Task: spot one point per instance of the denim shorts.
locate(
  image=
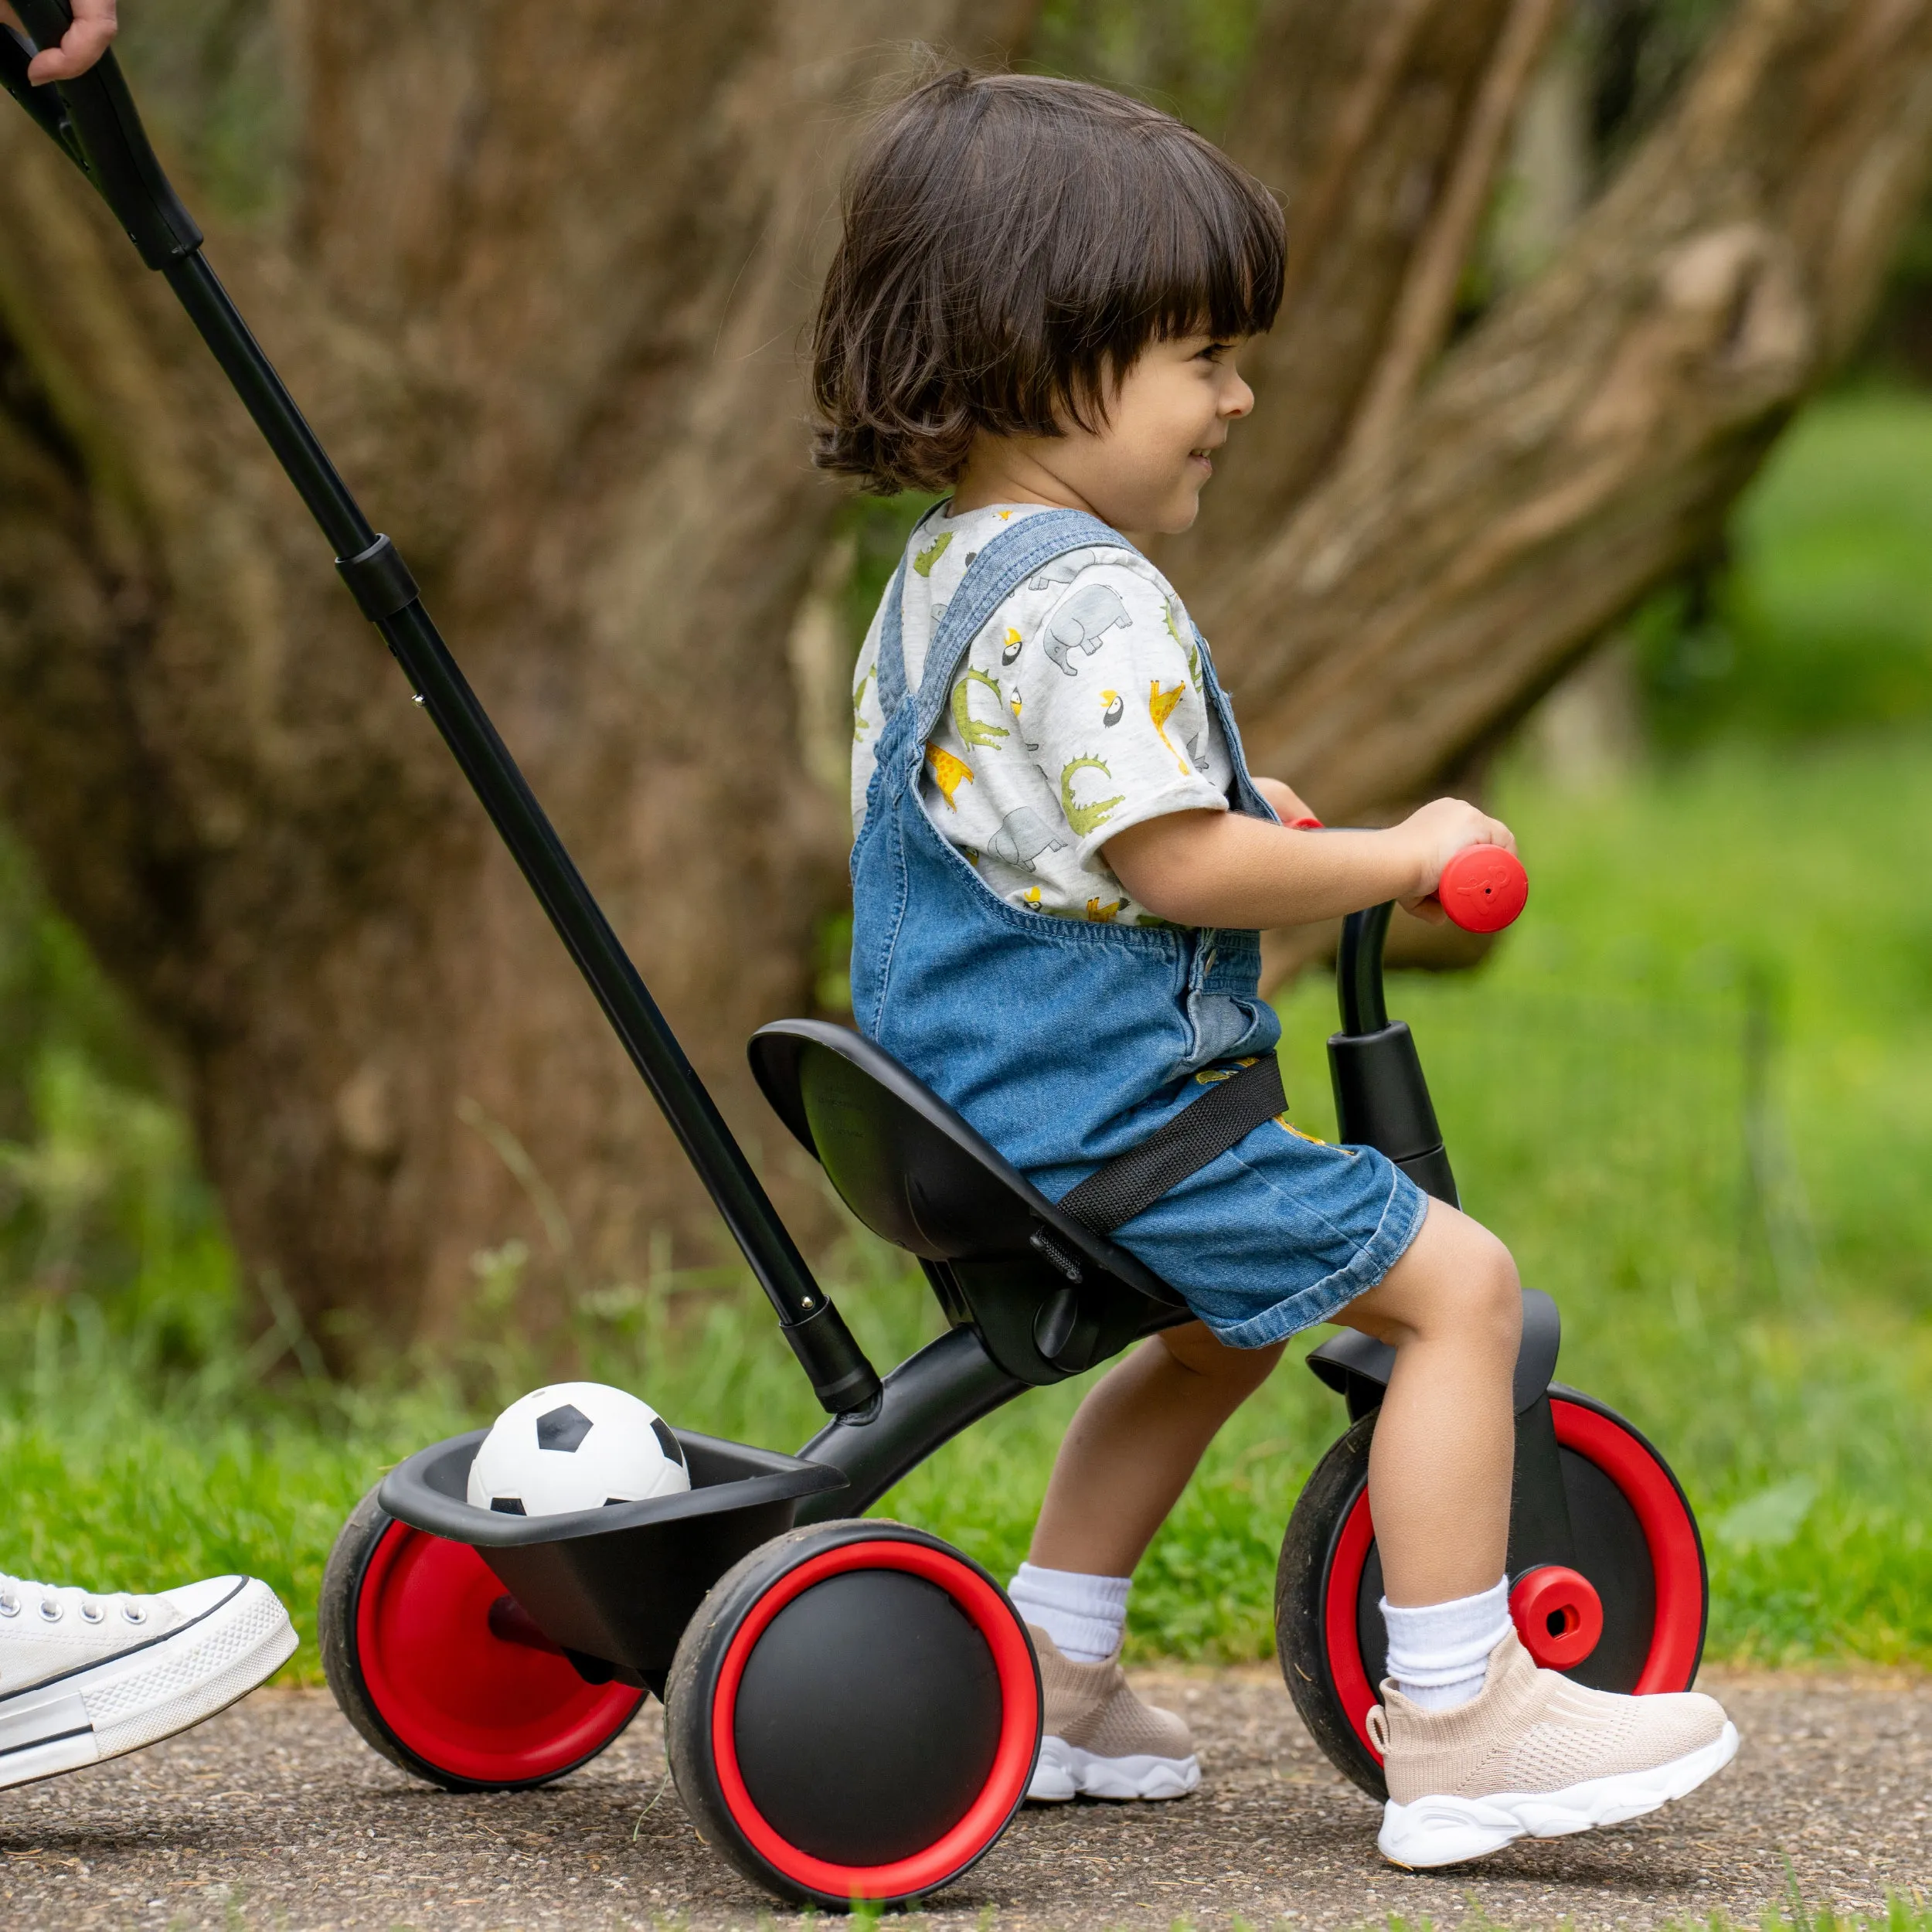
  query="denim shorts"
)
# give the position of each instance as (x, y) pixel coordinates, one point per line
(1278, 1234)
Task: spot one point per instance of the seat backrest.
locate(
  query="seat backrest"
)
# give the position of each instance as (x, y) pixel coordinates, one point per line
(909, 1166)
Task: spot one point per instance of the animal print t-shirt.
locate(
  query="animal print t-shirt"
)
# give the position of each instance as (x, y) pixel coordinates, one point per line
(1076, 711)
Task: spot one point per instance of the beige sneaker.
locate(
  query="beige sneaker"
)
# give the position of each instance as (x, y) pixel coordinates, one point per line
(1536, 1756)
(1101, 1740)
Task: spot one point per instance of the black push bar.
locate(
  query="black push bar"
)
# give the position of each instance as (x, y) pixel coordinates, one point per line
(93, 122)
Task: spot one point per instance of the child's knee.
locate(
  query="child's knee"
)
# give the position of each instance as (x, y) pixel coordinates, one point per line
(1458, 1284)
(1480, 1295)
(1193, 1346)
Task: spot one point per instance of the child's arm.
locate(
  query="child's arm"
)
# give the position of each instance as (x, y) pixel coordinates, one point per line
(1221, 868)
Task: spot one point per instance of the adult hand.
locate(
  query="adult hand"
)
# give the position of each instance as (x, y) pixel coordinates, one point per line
(83, 44)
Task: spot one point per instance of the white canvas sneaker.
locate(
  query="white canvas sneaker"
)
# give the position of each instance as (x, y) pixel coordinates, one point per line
(85, 1677)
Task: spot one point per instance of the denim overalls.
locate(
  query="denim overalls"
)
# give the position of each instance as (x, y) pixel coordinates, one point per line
(1066, 1043)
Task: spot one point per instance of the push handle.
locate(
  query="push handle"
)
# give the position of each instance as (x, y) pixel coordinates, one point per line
(96, 123)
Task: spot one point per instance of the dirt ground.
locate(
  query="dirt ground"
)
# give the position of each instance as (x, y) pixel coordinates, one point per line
(276, 1815)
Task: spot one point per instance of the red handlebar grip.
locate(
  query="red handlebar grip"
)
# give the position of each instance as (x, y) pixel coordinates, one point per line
(1483, 888)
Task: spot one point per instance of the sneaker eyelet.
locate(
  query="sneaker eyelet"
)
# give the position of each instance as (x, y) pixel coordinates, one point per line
(51, 1611)
(94, 1613)
(134, 1614)
(9, 1606)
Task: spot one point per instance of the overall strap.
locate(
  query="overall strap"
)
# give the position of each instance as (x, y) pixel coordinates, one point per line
(1017, 553)
(890, 664)
(1020, 551)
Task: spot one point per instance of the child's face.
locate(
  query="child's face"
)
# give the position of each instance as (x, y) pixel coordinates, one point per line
(1143, 470)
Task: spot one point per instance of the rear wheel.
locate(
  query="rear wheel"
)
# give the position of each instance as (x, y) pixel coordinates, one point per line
(434, 1663)
(1629, 1617)
(853, 1713)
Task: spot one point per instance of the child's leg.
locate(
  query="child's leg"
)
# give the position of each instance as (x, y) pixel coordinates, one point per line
(1127, 1456)
(1439, 1470)
(1134, 1443)
(1479, 1745)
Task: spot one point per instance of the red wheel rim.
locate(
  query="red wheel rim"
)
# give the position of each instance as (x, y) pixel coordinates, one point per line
(1339, 1632)
(452, 1693)
(1677, 1568)
(1677, 1564)
(1012, 1758)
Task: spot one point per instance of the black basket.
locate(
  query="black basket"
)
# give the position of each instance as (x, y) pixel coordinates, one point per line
(620, 1583)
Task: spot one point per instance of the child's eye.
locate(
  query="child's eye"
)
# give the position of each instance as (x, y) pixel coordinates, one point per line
(1215, 353)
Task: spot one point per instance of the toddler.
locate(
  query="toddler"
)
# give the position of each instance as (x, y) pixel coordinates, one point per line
(1061, 863)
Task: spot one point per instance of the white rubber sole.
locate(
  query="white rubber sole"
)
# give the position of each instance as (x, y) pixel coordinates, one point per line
(1065, 1771)
(1431, 1832)
(103, 1710)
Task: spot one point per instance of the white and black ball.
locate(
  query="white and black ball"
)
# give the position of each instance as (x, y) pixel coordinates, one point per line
(576, 1445)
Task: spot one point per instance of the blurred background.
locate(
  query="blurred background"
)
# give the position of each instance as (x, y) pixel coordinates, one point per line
(1693, 1090)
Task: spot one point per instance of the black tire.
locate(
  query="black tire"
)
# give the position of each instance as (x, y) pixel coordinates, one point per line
(853, 1713)
(562, 1721)
(1636, 1546)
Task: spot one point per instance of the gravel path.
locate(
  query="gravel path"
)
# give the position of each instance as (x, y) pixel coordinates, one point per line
(275, 1815)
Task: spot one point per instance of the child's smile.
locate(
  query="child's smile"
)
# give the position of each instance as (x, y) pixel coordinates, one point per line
(1141, 469)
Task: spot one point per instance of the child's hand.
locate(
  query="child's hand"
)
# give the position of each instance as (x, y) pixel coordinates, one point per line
(83, 44)
(1434, 835)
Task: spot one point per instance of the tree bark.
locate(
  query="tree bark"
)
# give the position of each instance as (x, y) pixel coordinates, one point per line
(540, 292)
(1585, 440)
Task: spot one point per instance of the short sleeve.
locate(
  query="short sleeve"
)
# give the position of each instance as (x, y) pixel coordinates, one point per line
(1111, 703)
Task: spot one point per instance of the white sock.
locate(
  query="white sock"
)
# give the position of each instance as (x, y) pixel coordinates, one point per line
(1084, 1615)
(1439, 1653)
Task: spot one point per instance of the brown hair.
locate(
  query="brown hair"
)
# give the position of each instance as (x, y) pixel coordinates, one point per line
(1012, 244)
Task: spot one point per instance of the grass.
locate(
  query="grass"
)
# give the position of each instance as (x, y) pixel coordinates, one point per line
(1693, 1090)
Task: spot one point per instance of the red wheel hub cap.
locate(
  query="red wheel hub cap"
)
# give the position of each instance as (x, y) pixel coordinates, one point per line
(1558, 1615)
(451, 1690)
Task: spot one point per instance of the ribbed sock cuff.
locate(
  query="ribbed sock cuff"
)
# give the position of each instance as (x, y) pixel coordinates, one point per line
(1084, 1615)
(1439, 1653)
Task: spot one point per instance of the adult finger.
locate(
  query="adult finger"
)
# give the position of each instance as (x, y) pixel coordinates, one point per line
(92, 31)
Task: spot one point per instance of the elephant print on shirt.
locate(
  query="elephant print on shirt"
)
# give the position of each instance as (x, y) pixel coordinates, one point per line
(1023, 836)
(1082, 624)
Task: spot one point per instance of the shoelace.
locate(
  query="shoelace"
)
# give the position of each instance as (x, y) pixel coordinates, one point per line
(56, 1599)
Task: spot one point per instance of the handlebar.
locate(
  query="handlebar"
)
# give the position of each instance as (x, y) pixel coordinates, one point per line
(1483, 889)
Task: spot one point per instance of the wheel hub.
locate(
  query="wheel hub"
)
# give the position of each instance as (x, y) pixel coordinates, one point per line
(1558, 1614)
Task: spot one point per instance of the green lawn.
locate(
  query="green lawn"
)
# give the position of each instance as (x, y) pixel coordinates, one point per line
(1693, 1090)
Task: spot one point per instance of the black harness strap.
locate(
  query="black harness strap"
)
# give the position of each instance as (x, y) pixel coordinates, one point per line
(1231, 1110)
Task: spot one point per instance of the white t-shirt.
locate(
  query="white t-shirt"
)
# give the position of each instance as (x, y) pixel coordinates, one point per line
(1077, 711)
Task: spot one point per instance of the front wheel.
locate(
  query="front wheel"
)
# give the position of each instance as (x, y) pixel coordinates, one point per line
(853, 1714)
(432, 1661)
(1639, 1578)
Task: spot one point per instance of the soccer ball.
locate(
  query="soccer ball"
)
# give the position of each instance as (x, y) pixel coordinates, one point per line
(575, 1445)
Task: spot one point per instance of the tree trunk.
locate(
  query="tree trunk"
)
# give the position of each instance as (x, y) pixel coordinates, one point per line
(541, 291)
(1586, 440)
(542, 288)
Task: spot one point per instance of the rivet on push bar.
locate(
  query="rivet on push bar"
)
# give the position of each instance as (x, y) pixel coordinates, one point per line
(379, 580)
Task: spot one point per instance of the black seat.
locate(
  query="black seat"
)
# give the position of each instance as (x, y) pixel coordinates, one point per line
(1049, 1296)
